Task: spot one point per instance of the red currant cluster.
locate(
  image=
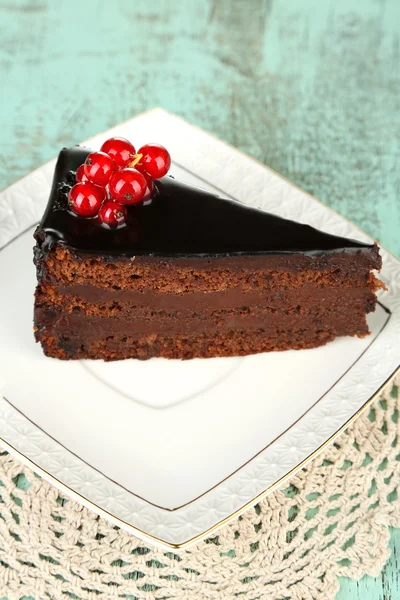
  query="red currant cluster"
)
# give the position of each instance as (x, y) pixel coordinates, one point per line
(116, 176)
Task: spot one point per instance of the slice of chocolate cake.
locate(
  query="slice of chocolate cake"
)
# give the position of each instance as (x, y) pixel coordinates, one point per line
(189, 274)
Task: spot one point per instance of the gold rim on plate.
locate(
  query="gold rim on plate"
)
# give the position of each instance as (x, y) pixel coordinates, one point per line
(181, 546)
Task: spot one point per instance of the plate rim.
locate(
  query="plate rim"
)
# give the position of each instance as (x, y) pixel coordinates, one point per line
(74, 495)
(118, 520)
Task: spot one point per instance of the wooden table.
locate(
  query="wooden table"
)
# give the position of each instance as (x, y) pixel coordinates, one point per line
(310, 87)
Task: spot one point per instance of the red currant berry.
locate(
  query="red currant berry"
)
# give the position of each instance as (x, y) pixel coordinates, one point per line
(85, 198)
(112, 214)
(120, 150)
(80, 174)
(128, 186)
(99, 167)
(155, 160)
(150, 187)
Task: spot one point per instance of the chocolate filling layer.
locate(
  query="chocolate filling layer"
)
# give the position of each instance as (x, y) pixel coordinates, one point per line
(145, 306)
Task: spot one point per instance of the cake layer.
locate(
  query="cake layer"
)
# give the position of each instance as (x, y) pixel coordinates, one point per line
(206, 345)
(229, 298)
(346, 269)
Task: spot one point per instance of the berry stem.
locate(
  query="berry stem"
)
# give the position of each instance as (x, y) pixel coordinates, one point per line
(136, 160)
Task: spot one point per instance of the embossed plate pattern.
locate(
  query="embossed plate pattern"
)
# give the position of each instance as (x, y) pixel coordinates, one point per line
(167, 449)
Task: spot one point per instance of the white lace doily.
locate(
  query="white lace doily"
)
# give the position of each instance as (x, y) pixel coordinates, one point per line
(331, 520)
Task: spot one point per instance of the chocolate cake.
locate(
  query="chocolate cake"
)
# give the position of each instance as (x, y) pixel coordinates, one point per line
(190, 274)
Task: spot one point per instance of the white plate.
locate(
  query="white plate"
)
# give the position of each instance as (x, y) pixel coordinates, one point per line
(168, 449)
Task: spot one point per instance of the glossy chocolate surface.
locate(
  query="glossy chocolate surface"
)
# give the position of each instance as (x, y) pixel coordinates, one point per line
(181, 221)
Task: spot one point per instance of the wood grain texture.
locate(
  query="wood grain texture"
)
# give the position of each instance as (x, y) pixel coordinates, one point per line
(310, 87)
(386, 587)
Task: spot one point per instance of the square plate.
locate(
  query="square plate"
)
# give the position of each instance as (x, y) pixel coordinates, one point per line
(172, 450)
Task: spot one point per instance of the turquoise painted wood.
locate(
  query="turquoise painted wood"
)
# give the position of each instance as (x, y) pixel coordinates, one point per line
(310, 87)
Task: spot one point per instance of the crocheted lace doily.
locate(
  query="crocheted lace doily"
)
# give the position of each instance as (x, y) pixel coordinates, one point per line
(331, 520)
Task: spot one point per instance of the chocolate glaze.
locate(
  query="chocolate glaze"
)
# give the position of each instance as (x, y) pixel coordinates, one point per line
(181, 221)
